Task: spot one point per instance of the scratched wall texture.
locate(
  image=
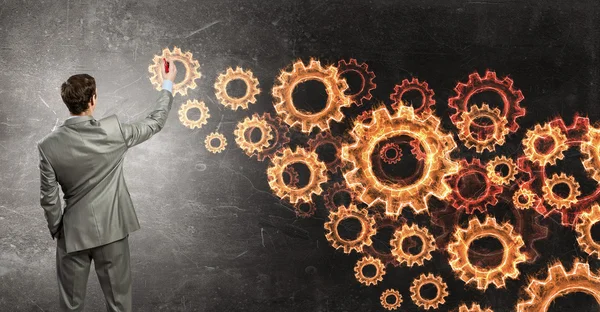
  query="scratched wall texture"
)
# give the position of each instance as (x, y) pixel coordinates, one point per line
(213, 236)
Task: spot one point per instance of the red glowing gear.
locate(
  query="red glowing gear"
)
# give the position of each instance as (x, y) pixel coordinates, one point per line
(365, 117)
(367, 77)
(558, 283)
(511, 98)
(280, 139)
(324, 138)
(417, 150)
(383, 153)
(489, 194)
(336, 99)
(332, 191)
(427, 94)
(293, 176)
(381, 222)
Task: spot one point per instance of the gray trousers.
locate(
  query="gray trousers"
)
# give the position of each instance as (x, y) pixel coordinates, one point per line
(112, 265)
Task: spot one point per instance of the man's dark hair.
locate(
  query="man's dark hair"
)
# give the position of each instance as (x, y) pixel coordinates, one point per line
(77, 92)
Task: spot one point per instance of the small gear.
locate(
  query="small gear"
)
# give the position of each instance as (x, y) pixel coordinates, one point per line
(531, 144)
(198, 123)
(363, 238)
(554, 199)
(524, 198)
(427, 101)
(474, 308)
(584, 231)
(280, 137)
(359, 173)
(559, 283)
(191, 70)
(591, 150)
(383, 222)
(336, 99)
(440, 297)
(365, 117)
(331, 192)
(367, 76)
(417, 150)
(325, 138)
(369, 280)
(289, 157)
(303, 212)
(473, 139)
(252, 89)
(511, 242)
(511, 98)
(428, 245)
(472, 176)
(496, 175)
(293, 176)
(395, 150)
(391, 305)
(244, 130)
(215, 136)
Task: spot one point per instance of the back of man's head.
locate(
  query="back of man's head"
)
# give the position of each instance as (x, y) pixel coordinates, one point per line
(77, 92)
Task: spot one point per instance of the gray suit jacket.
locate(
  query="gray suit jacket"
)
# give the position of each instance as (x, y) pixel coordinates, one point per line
(85, 156)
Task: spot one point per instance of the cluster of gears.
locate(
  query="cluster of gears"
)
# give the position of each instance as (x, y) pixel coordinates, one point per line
(369, 166)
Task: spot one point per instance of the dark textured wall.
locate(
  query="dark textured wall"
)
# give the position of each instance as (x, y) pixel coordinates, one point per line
(213, 236)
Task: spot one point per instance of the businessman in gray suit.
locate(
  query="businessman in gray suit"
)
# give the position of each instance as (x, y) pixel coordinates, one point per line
(85, 156)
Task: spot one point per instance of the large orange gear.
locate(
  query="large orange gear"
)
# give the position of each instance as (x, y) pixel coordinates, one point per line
(335, 86)
(402, 256)
(427, 100)
(191, 70)
(511, 242)
(584, 231)
(244, 130)
(547, 131)
(554, 199)
(591, 150)
(511, 98)
(524, 198)
(474, 139)
(422, 280)
(369, 280)
(287, 157)
(198, 123)
(367, 76)
(559, 283)
(391, 305)
(436, 144)
(324, 138)
(496, 175)
(215, 136)
(474, 308)
(363, 238)
(252, 89)
(469, 177)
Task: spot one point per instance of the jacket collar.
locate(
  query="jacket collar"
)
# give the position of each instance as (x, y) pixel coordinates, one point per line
(77, 119)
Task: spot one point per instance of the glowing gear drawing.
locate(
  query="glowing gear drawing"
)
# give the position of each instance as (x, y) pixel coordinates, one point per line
(429, 279)
(524, 198)
(287, 157)
(364, 236)
(437, 145)
(472, 176)
(211, 138)
(336, 99)
(191, 70)
(554, 152)
(584, 231)
(366, 76)
(427, 101)
(482, 140)
(397, 299)
(474, 308)
(559, 283)
(402, 256)
(194, 104)
(326, 138)
(243, 134)
(369, 280)
(590, 149)
(495, 175)
(556, 200)
(511, 242)
(252, 89)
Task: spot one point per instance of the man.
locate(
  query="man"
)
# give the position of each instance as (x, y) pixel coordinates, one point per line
(85, 156)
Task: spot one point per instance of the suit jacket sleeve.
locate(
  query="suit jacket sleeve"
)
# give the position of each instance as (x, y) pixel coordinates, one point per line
(138, 132)
(49, 195)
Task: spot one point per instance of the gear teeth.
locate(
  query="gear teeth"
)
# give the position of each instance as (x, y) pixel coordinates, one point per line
(198, 123)
(474, 308)
(556, 201)
(487, 198)
(423, 280)
(497, 137)
(427, 102)
(372, 280)
(559, 144)
(215, 136)
(244, 129)
(391, 306)
(191, 70)
(584, 231)
(412, 231)
(497, 178)
(363, 238)
(590, 149)
(233, 103)
(367, 85)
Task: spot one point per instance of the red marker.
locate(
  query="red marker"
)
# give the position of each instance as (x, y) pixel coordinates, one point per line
(166, 65)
